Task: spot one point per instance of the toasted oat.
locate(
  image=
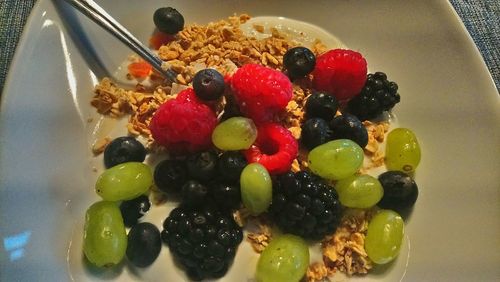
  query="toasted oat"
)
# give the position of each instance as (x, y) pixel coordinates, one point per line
(376, 135)
(316, 272)
(100, 145)
(259, 240)
(344, 250)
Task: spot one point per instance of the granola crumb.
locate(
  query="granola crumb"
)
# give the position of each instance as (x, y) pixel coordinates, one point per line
(316, 272)
(100, 145)
(260, 240)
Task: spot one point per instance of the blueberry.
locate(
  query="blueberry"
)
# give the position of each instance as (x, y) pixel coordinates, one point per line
(227, 196)
(202, 166)
(170, 175)
(230, 165)
(347, 126)
(123, 149)
(400, 190)
(194, 193)
(168, 20)
(315, 132)
(208, 84)
(144, 244)
(321, 105)
(299, 61)
(134, 209)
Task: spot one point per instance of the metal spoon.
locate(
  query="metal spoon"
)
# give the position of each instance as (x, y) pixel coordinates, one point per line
(96, 13)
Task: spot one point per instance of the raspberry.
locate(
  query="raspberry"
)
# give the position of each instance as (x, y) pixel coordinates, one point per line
(261, 92)
(340, 72)
(304, 205)
(275, 148)
(183, 124)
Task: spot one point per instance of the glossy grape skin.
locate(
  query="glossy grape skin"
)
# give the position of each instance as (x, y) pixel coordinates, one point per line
(104, 237)
(402, 150)
(285, 259)
(124, 181)
(256, 188)
(122, 150)
(144, 244)
(336, 159)
(236, 133)
(359, 191)
(384, 237)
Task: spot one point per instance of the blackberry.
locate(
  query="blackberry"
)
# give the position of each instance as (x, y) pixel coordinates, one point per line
(378, 95)
(304, 205)
(203, 240)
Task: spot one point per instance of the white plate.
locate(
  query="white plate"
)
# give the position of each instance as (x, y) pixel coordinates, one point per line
(448, 99)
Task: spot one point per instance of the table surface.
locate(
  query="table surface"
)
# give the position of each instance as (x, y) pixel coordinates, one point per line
(480, 17)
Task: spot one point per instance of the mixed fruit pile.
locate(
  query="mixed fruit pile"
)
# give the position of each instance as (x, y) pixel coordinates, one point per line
(242, 158)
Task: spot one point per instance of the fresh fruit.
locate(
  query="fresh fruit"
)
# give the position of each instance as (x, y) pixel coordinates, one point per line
(226, 196)
(134, 209)
(336, 159)
(236, 133)
(359, 191)
(159, 39)
(230, 166)
(275, 148)
(194, 193)
(170, 175)
(384, 237)
(168, 20)
(400, 190)
(144, 244)
(347, 126)
(304, 205)
(104, 236)
(202, 166)
(256, 188)
(402, 151)
(261, 92)
(183, 124)
(123, 149)
(378, 95)
(340, 72)
(208, 84)
(140, 69)
(321, 105)
(203, 240)
(298, 62)
(285, 259)
(315, 131)
(124, 181)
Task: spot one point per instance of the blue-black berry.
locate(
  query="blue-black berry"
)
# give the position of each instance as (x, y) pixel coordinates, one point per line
(124, 149)
(298, 62)
(168, 20)
(208, 84)
(315, 132)
(347, 126)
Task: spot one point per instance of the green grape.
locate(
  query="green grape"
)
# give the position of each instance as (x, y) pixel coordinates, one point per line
(402, 150)
(236, 133)
(336, 159)
(256, 188)
(359, 191)
(104, 237)
(384, 236)
(285, 259)
(124, 181)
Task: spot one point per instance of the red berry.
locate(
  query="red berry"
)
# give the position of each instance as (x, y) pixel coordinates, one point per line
(183, 124)
(261, 92)
(275, 148)
(340, 72)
